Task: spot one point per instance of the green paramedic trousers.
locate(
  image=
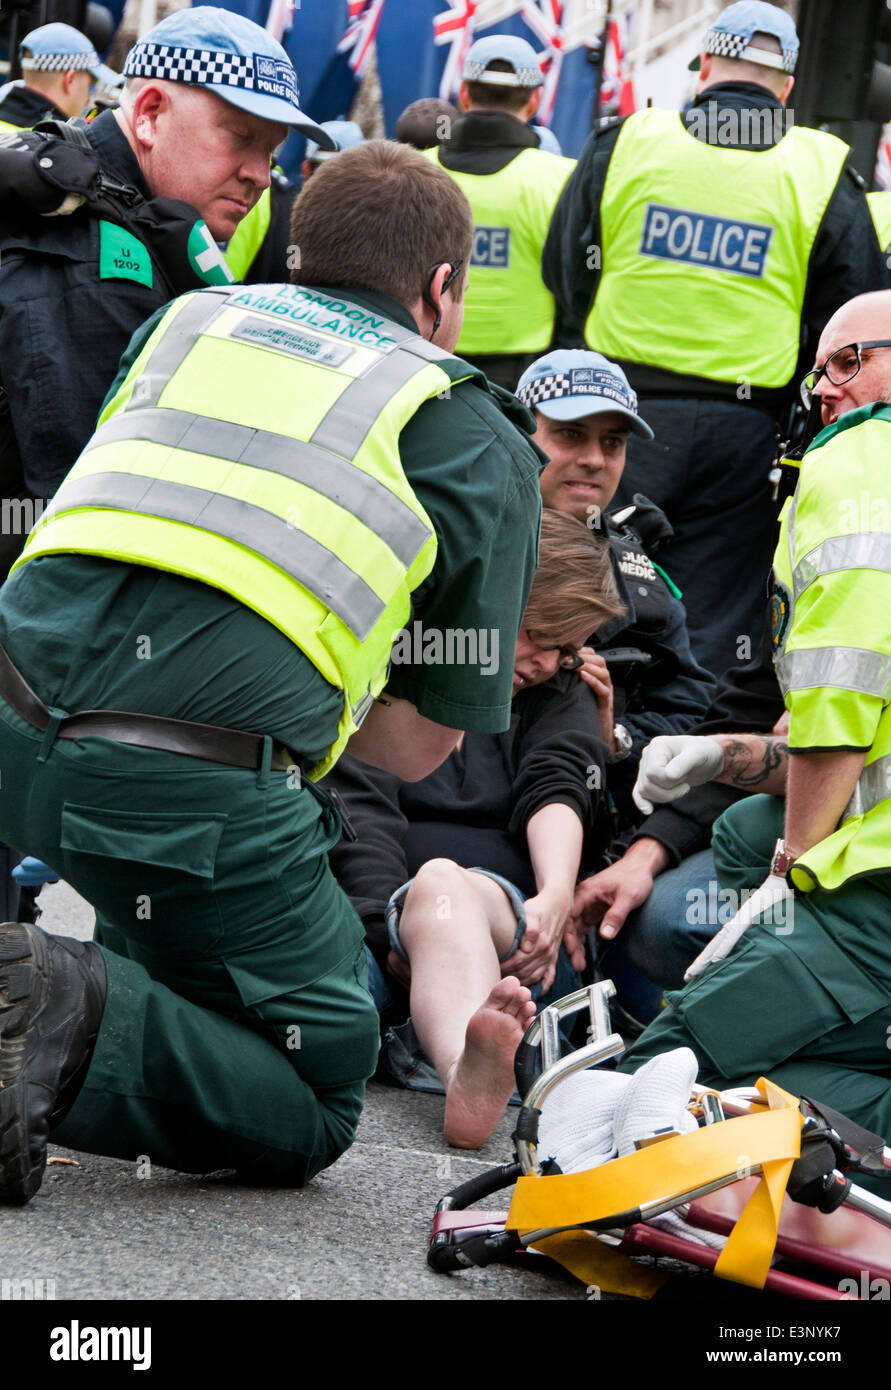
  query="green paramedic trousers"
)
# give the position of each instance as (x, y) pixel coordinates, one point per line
(804, 1000)
(238, 1030)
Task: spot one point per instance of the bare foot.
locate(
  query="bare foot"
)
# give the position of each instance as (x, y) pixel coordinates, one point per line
(483, 1080)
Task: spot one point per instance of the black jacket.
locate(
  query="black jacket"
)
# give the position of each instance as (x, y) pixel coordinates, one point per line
(67, 314)
(846, 259)
(662, 689)
(24, 107)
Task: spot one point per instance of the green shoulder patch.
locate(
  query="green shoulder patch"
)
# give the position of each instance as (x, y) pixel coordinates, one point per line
(122, 256)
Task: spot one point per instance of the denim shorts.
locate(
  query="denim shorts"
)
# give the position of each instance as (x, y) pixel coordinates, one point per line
(515, 898)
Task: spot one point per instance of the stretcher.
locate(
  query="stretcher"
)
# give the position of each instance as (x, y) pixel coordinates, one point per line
(769, 1171)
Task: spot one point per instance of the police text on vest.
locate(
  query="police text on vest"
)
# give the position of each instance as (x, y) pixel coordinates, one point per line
(673, 234)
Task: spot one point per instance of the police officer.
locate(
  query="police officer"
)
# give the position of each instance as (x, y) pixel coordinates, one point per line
(705, 253)
(808, 1004)
(60, 66)
(282, 474)
(494, 156)
(208, 97)
(585, 412)
(258, 252)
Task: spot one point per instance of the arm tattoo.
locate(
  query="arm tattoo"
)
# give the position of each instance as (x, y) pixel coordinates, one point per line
(749, 762)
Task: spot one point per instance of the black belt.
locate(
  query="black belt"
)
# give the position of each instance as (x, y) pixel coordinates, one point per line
(210, 742)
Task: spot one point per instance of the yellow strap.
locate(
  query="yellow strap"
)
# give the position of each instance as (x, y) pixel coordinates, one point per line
(602, 1268)
(746, 1256)
(769, 1139)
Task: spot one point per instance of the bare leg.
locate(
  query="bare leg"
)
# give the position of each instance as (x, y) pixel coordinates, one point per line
(455, 925)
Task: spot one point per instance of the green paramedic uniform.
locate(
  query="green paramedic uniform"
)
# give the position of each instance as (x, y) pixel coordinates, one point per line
(238, 1031)
(807, 1001)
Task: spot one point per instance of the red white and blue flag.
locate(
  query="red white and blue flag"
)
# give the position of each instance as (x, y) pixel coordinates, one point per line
(358, 37)
(545, 19)
(455, 27)
(280, 19)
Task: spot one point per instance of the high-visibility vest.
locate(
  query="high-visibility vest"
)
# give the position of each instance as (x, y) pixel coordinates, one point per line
(880, 208)
(253, 446)
(832, 646)
(507, 307)
(249, 236)
(7, 129)
(705, 249)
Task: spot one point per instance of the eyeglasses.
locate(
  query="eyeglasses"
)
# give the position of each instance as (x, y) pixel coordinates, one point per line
(841, 366)
(447, 283)
(570, 658)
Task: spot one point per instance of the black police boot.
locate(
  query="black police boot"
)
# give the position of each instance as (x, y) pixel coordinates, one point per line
(52, 993)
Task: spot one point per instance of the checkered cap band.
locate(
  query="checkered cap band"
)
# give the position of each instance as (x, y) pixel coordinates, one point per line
(734, 45)
(546, 388)
(59, 62)
(212, 66)
(579, 382)
(478, 72)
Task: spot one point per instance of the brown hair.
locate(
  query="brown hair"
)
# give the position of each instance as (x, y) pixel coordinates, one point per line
(496, 97)
(426, 123)
(378, 217)
(574, 584)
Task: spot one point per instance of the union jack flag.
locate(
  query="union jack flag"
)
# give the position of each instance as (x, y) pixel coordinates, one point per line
(455, 27)
(364, 17)
(280, 19)
(545, 19)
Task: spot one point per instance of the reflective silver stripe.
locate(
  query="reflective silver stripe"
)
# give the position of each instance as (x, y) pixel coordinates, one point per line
(843, 668)
(344, 427)
(864, 550)
(340, 481)
(311, 564)
(873, 786)
(175, 345)
(361, 708)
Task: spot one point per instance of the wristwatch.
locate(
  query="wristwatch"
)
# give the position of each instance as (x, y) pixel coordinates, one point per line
(621, 744)
(782, 861)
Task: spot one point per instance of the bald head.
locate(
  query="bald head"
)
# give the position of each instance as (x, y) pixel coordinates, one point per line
(864, 319)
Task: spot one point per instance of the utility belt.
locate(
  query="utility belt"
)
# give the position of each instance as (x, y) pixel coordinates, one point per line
(210, 742)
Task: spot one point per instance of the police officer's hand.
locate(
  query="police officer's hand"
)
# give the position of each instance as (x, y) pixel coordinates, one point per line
(673, 763)
(608, 897)
(595, 673)
(536, 959)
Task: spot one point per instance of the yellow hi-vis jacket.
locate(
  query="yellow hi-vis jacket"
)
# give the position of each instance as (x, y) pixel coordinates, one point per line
(507, 307)
(253, 446)
(705, 249)
(249, 236)
(880, 209)
(832, 631)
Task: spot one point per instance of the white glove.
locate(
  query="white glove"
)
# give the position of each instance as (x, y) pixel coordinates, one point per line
(773, 896)
(673, 763)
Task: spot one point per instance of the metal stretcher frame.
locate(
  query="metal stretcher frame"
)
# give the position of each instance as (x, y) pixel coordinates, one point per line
(463, 1239)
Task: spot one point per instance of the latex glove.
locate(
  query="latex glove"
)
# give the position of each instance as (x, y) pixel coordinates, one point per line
(33, 873)
(774, 896)
(673, 763)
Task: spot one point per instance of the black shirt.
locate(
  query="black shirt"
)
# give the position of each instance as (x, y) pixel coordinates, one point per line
(23, 107)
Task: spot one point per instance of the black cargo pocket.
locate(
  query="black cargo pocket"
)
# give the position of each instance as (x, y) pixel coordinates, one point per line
(170, 840)
(759, 1006)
